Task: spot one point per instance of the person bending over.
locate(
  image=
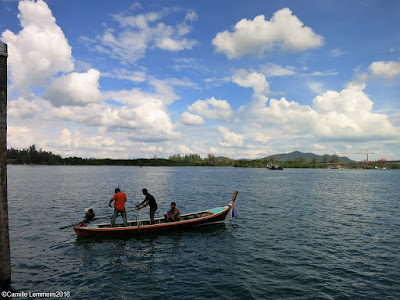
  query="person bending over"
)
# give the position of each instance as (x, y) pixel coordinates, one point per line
(149, 200)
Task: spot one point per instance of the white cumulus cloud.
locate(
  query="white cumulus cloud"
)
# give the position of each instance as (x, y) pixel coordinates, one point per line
(65, 138)
(344, 115)
(229, 138)
(385, 69)
(39, 50)
(26, 107)
(212, 109)
(20, 136)
(254, 80)
(284, 31)
(191, 119)
(148, 121)
(74, 89)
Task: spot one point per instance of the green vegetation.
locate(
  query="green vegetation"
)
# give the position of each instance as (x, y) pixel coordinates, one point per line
(32, 156)
(291, 160)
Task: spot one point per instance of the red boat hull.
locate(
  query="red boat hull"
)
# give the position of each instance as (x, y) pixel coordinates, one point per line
(88, 231)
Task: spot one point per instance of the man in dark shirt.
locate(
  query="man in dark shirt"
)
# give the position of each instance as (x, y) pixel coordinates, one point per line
(149, 200)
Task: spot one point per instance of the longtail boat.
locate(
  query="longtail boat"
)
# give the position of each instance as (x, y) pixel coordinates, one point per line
(206, 217)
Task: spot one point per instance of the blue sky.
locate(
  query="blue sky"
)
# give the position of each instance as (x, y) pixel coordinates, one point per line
(137, 79)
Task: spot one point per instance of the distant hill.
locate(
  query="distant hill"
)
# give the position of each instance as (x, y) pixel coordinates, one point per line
(308, 156)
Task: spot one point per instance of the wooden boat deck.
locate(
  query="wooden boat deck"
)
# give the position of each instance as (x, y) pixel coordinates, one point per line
(183, 218)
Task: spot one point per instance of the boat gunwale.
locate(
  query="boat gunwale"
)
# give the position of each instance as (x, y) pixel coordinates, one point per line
(171, 224)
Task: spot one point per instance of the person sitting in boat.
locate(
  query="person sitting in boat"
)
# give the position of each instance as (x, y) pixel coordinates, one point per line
(149, 200)
(174, 214)
(119, 206)
(89, 214)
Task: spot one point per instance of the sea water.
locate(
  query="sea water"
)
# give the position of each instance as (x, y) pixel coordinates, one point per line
(300, 234)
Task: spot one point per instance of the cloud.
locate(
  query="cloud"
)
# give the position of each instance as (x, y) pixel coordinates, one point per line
(145, 122)
(217, 81)
(336, 52)
(134, 76)
(254, 80)
(132, 97)
(184, 149)
(20, 137)
(136, 5)
(80, 142)
(29, 107)
(191, 119)
(65, 138)
(321, 73)
(39, 50)
(344, 115)
(284, 31)
(212, 109)
(163, 92)
(318, 147)
(290, 116)
(229, 138)
(136, 33)
(262, 137)
(384, 69)
(188, 63)
(316, 87)
(273, 70)
(74, 89)
(141, 115)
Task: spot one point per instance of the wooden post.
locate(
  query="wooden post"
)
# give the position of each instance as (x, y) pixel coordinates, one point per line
(5, 258)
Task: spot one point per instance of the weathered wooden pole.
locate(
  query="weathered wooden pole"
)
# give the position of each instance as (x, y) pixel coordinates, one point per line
(5, 258)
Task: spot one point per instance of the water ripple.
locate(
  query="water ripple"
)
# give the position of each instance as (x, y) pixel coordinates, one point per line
(301, 234)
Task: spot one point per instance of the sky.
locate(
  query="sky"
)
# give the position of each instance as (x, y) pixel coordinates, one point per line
(126, 79)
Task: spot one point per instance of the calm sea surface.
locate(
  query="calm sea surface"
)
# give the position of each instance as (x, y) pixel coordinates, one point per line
(301, 234)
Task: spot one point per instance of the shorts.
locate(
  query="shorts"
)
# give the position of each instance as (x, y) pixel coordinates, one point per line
(152, 211)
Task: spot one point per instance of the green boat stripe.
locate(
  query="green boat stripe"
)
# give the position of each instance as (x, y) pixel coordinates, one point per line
(217, 210)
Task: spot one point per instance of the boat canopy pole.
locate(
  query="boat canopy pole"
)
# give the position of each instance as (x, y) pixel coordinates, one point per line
(234, 197)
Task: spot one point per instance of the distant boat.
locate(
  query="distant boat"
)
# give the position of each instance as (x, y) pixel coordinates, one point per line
(206, 217)
(336, 167)
(274, 167)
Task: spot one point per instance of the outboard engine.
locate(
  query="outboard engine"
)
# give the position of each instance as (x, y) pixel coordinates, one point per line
(89, 214)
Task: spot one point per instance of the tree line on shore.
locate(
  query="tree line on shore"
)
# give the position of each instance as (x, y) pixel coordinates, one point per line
(40, 157)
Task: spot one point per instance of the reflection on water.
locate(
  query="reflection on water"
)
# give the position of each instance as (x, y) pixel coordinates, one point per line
(300, 234)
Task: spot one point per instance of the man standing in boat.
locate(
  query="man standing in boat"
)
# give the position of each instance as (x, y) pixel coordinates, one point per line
(149, 200)
(119, 206)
